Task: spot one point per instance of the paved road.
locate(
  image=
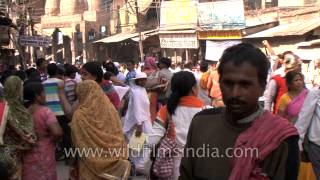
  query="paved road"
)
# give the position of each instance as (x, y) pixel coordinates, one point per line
(63, 172)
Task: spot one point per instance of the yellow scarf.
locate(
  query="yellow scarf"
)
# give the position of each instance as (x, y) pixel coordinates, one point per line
(96, 126)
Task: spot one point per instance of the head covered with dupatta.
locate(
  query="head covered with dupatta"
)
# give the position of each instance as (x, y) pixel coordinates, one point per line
(97, 125)
(19, 133)
(18, 117)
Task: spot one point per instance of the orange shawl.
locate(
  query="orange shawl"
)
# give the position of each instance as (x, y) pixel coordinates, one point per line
(188, 101)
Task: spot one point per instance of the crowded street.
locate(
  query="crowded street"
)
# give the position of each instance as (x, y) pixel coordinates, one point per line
(160, 90)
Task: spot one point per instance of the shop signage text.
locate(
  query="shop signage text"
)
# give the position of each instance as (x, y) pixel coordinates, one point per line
(231, 34)
(55, 25)
(179, 41)
(35, 41)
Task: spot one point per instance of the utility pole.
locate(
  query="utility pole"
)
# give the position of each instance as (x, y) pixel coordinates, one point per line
(139, 30)
(32, 33)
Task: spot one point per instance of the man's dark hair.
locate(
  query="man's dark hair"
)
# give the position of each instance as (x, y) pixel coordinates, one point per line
(33, 76)
(30, 91)
(107, 75)
(94, 68)
(165, 61)
(5, 74)
(188, 65)
(244, 52)
(69, 69)
(12, 67)
(60, 71)
(52, 69)
(204, 66)
(29, 71)
(110, 67)
(131, 62)
(21, 74)
(40, 61)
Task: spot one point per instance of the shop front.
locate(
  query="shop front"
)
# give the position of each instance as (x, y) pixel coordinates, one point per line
(177, 35)
(214, 42)
(219, 28)
(180, 46)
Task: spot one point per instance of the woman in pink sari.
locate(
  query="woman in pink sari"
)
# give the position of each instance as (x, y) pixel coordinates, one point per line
(289, 107)
(39, 163)
(292, 101)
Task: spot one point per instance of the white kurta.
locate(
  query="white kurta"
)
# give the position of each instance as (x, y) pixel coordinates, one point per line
(138, 113)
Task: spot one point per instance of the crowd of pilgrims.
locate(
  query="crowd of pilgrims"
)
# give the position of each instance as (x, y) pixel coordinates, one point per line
(53, 107)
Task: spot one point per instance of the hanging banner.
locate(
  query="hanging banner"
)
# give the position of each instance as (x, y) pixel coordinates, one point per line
(179, 41)
(221, 15)
(178, 15)
(214, 49)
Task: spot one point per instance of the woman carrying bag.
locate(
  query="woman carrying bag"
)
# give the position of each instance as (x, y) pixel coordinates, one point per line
(170, 128)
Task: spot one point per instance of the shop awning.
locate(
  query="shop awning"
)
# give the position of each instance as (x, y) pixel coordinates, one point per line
(308, 54)
(309, 43)
(293, 29)
(123, 36)
(117, 38)
(143, 5)
(178, 32)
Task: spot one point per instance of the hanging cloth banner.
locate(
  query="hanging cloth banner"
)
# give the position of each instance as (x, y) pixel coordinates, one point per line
(214, 49)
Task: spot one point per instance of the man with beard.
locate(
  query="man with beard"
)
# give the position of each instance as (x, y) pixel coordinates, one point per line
(241, 141)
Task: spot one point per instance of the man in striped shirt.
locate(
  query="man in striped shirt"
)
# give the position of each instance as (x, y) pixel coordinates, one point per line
(70, 83)
(56, 100)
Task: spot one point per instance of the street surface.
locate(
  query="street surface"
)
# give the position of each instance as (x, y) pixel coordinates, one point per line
(63, 172)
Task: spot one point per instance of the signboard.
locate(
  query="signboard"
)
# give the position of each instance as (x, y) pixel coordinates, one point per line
(179, 41)
(288, 3)
(178, 15)
(36, 41)
(216, 34)
(55, 25)
(222, 15)
(214, 49)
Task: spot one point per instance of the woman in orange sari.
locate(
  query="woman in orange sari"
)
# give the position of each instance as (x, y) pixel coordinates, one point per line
(96, 127)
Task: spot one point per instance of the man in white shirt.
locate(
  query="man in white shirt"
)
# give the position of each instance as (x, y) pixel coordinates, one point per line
(308, 125)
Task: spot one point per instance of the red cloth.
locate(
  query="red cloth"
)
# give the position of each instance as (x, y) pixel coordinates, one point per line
(2, 109)
(3, 119)
(266, 134)
(281, 90)
(112, 94)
